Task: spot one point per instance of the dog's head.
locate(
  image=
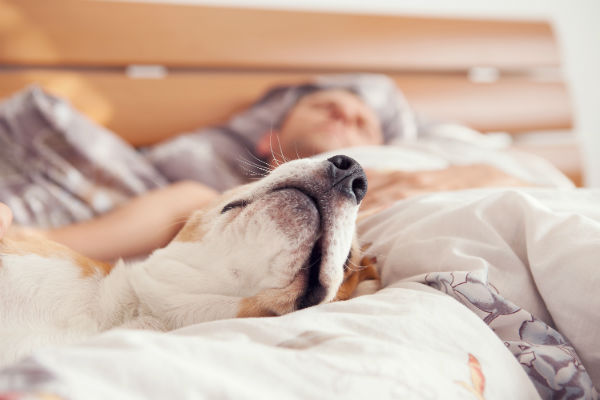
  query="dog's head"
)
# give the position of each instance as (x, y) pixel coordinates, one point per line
(280, 243)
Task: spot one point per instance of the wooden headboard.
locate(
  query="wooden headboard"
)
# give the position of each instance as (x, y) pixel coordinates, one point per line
(150, 71)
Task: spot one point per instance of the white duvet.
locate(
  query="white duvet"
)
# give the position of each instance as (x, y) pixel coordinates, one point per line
(406, 341)
(537, 248)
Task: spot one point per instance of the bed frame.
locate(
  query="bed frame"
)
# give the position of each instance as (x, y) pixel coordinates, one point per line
(150, 71)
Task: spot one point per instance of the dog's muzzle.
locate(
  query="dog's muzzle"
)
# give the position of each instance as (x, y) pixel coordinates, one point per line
(346, 178)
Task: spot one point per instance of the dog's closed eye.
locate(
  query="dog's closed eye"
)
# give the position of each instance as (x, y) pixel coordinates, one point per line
(235, 204)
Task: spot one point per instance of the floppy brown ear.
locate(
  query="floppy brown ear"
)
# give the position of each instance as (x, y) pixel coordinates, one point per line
(359, 268)
(272, 302)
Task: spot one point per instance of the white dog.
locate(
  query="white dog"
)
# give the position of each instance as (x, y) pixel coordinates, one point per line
(267, 248)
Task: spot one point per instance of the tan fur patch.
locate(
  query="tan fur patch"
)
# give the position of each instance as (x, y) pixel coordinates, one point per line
(23, 242)
(273, 302)
(193, 230)
(360, 268)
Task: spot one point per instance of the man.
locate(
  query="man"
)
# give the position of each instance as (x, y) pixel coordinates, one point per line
(320, 120)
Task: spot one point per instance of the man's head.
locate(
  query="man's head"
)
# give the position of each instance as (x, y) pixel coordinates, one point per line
(323, 121)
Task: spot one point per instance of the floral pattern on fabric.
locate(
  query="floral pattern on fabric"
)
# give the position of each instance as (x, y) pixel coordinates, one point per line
(547, 357)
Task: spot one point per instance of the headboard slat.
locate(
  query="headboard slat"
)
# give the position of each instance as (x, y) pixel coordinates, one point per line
(96, 33)
(144, 111)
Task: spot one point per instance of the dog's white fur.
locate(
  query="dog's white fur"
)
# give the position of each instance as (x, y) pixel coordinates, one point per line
(247, 260)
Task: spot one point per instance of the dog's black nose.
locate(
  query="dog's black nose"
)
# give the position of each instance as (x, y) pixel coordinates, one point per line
(348, 177)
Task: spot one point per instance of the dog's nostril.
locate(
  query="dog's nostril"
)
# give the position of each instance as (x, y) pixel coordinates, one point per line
(342, 162)
(348, 177)
(359, 187)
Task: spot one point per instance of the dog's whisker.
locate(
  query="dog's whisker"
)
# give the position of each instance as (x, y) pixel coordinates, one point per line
(260, 161)
(240, 157)
(353, 267)
(296, 149)
(253, 164)
(271, 146)
(247, 172)
(250, 174)
(256, 167)
(271, 141)
(281, 150)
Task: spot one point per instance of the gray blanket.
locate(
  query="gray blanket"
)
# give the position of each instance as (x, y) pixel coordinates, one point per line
(58, 167)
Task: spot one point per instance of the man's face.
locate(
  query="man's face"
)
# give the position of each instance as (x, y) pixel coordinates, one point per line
(327, 120)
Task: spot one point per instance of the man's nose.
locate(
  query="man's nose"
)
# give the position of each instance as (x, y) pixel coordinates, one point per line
(339, 114)
(343, 113)
(346, 115)
(348, 177)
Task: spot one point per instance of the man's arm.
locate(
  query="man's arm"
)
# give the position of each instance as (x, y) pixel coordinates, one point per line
(141, 225)
(5, 218)
(386, 187)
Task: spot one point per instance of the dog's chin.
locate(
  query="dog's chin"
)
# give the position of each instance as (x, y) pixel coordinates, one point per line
(299, 212)
(298, 217)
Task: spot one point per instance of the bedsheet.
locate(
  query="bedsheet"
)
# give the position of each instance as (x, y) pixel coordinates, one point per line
(394, 344)
(514, 250)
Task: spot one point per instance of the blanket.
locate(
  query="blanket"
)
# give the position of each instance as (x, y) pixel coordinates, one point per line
(524, 260)
(392, 345)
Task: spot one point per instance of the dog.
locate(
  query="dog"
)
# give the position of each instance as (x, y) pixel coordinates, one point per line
(280, 244)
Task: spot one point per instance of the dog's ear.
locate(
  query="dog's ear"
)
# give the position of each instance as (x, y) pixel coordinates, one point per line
(359, 268)
(193, 230)
(272, 302)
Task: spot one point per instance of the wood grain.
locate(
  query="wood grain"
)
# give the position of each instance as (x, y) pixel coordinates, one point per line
(97, 33)
(144, 111)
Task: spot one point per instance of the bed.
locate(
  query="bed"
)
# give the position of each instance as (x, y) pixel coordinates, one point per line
(486, 293)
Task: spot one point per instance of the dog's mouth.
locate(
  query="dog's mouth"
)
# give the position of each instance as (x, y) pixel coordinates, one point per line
(314, 292)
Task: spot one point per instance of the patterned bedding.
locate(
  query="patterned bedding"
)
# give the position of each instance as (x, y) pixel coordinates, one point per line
(524, 261)
(487, 294)
(58, 167)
